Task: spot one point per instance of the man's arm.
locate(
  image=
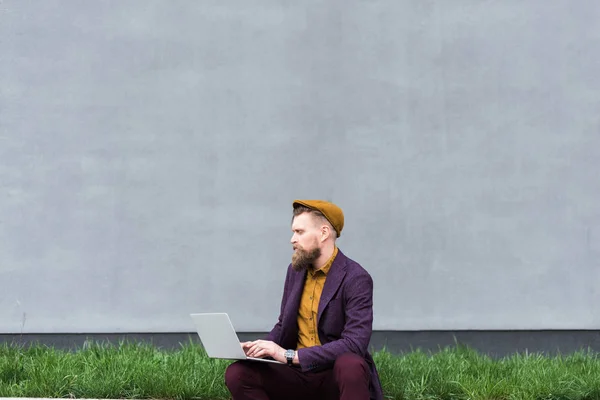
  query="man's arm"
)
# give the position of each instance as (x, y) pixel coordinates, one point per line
(275, 333)
(356, 334)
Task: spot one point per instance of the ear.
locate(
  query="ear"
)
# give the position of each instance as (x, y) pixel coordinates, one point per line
(325, 232)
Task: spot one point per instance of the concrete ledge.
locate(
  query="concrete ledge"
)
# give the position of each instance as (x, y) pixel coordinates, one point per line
(492, 343)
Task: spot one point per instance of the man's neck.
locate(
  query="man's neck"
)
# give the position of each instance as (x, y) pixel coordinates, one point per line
(326, 254)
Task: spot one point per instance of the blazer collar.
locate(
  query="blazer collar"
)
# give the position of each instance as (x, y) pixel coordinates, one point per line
(332, 283)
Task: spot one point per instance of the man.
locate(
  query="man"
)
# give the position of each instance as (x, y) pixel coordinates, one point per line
(324, 325)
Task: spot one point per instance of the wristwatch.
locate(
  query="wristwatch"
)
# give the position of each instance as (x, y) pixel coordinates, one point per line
(289, 355)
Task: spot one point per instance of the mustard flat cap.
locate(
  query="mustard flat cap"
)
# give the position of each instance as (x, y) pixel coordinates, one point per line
(333, 213)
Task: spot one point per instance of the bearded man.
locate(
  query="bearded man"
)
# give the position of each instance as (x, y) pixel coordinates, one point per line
(325, 322)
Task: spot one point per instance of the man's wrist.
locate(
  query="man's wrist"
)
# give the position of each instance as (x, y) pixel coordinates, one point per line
(289, 355)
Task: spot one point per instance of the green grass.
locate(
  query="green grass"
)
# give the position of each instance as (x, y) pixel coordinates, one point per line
(135, 370)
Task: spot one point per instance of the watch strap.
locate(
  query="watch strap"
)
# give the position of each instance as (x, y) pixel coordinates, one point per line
(289, 355)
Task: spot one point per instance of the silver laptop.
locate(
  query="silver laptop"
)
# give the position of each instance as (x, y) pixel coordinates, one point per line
(220, 339)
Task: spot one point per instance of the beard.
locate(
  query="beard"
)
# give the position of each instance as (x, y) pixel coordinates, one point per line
(304, 260)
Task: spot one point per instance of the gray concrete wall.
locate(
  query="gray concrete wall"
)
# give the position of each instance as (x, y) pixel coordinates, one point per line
(150, 152)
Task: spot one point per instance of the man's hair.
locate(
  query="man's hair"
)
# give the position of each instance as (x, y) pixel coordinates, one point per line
(316, 213)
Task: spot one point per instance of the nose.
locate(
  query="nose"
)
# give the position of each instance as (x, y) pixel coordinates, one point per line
(293, 239)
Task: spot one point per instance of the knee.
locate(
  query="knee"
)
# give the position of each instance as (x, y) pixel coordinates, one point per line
(350, 366)
(235, 375)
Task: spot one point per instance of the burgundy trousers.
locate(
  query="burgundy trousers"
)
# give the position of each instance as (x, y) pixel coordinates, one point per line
(250, 380)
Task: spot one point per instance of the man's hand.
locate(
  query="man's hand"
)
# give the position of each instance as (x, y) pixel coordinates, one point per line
(264, 348)
(245, 346)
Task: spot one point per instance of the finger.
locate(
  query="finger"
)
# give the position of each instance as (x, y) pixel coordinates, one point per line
(260, 353)
(253, 350)
(256, 354)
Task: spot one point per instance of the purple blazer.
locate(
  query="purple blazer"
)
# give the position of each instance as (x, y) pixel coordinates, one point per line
(344, 319)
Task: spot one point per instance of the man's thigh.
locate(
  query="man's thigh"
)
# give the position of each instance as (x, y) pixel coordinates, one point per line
(285, 382)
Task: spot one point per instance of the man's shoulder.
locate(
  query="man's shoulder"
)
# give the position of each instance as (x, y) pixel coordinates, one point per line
(353, 268)
(292, 274)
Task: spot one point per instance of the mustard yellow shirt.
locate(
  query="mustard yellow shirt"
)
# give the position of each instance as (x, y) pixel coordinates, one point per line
(309, 304)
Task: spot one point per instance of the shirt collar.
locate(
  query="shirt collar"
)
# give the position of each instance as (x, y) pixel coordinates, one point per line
(325, 268)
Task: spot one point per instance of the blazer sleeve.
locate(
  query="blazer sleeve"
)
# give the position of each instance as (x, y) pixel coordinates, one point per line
(275, 334)
(357, 330)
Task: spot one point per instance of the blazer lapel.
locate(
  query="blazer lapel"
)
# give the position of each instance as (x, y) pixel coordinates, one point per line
(332, 283)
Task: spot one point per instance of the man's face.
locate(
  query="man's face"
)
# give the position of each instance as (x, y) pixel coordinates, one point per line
(305, 242)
